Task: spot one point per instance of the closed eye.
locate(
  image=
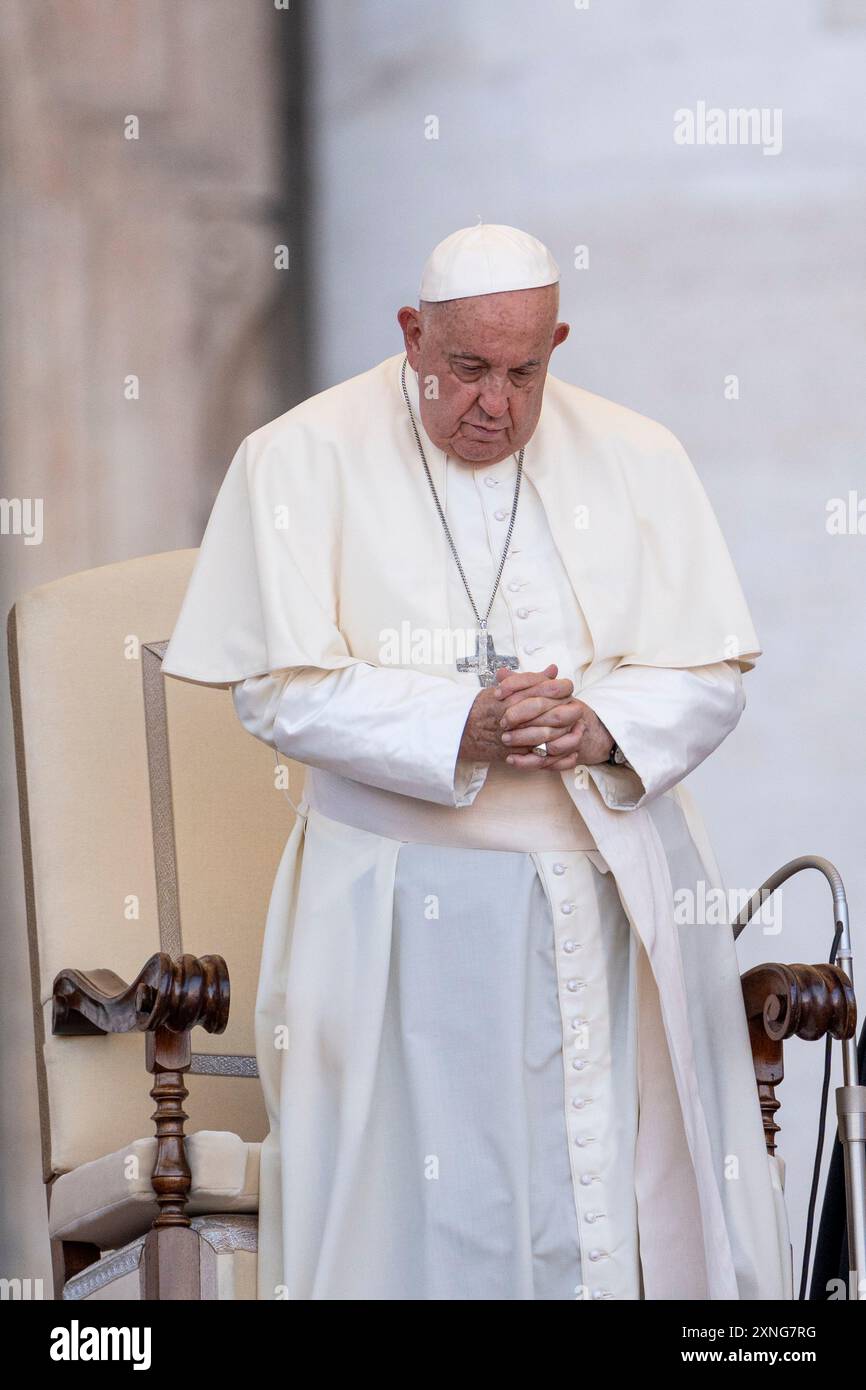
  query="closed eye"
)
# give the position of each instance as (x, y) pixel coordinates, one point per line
(471, 371)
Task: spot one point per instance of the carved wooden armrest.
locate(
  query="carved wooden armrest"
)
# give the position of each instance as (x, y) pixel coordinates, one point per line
(782, 1001)
(165, 1002)
(174, 994)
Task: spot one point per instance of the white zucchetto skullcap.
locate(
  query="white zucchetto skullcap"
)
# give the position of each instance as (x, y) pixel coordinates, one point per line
(486, 259)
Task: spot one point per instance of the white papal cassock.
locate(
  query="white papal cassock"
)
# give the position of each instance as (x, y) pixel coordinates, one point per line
(508, 1074)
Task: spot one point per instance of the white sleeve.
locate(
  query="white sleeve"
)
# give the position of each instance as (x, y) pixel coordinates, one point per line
(395, 729)
(666, 720)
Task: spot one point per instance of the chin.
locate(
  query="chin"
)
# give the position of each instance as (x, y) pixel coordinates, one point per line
(476, 451)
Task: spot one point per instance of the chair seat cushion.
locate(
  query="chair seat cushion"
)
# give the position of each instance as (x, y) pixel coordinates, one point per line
(110, 1201)
(227, 1267)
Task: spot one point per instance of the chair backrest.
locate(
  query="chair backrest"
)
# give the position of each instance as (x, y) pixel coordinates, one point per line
(75, 659)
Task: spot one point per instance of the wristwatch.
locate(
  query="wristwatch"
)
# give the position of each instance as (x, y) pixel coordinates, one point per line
(616, 756)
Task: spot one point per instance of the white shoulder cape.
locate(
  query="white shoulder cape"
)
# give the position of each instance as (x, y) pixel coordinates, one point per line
(324, 535)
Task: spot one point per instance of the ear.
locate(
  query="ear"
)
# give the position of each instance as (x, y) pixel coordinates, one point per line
(560, 333)
(409, 320)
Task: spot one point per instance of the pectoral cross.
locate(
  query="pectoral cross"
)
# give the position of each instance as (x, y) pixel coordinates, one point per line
(486, 660)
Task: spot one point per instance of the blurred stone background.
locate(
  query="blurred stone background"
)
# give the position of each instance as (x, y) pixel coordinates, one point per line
(357, 133)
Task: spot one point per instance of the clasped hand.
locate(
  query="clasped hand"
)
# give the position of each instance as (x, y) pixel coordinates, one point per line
(525, 708)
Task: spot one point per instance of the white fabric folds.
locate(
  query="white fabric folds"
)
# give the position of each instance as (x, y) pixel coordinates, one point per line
(324, 550)
(324, 539)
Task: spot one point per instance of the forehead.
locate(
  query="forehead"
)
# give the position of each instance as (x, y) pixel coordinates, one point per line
(514, 324)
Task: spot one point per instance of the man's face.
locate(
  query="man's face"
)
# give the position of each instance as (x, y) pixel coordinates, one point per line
(481, 365)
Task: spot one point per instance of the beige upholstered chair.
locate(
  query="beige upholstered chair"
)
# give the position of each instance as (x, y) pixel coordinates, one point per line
(78, 653)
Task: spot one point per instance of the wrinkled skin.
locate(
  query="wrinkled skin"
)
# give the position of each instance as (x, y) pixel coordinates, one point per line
(481, 365)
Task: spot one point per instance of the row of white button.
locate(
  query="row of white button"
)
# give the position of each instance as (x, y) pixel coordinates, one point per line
(514, 586)
(579, 1100)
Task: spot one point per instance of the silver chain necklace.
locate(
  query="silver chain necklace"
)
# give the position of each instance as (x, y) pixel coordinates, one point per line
(486, 659)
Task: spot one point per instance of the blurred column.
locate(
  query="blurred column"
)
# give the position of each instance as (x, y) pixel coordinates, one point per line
(151, 162)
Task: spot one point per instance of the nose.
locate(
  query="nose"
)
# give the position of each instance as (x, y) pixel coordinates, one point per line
(493, 399)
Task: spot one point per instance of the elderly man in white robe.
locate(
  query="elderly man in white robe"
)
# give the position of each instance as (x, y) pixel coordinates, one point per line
(494, 617)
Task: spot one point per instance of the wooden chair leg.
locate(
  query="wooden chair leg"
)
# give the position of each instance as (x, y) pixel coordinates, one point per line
(69, 1257)
(172, 1263)
(168, 1057)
